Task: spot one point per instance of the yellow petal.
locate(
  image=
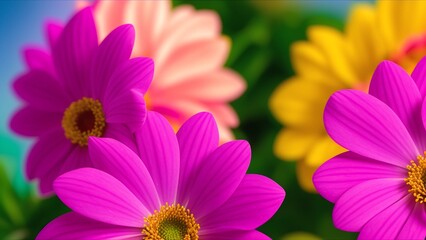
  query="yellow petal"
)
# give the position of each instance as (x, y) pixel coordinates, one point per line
(293, 144)
(300, 236)
(304, 176)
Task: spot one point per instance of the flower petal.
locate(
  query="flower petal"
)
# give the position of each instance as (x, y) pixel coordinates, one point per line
(364, 201)
(197, 138)
(393, 86)
(419, 76)
(415, 226)
(388, 223)
(74, 226)
(41, 91)
(365, 125)
(29, 121)
(121, 133)
(128, 109)
(235, 235)
(218, 176)
(348, 169)
(121, 162)
(74, 52)
(39, 59)
(53, 31)
(241, 211)
(99, 196)
(159, 149)
(114, 50)
(135, 74)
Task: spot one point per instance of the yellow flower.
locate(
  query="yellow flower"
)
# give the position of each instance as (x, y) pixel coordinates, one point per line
(331, 60)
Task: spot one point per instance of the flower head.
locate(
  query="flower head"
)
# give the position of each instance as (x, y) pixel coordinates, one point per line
(379, 185)
(189, 53)
(79, 90)
(175, 186)
(331, 60)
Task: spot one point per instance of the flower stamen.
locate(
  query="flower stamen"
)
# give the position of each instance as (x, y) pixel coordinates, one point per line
(417, 179)
(82, 119)
(172, 222)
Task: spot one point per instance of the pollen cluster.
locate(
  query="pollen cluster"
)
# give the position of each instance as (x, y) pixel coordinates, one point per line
(417, 179)
(172, 222)
(82, 119)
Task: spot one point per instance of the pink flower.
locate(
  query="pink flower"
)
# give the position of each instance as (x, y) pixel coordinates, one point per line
(379, 185)
(184, 186)
(79, 90)
(189, 54)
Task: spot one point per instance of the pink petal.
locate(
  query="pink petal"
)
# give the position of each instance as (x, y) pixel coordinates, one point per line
(74, 52)
(197, 138)
(365, 125)
(121, 133)
(39, 59)
(114, 50)
(419, 76)
(159, 149)
(74, 226)
(29, 121)
(41, 91)
(348, 169)
(253, 203)
(388, 223)
(53, 31)
(175, 70)
(364, 201)
(109, 15)
(115, 158)
(393, 86)
(235, 235)
(218, 177)
(99, 196)
(135, 74)
(415, 226)
(52, 147)
(128, 109)
(216, 87)
(224, 114)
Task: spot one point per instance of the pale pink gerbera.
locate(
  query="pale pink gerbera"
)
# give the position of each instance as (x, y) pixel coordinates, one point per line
(79, 90)
(379, 185)
(179, 187)
(189, 53)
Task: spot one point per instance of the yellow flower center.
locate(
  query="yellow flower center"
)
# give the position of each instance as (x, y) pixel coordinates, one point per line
(172, 222)
(82, 119)
(417, 179)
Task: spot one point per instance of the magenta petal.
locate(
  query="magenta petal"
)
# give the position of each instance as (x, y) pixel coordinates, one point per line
(364, 201)
(365, 125)
(99, 196)
(40, 90)
(197, 138)
(53, 31)
(415, 226)
(388, 223)
(235, 235)
(253, 203)
(38, 59)
(159, 149)
(135, 74)
(348, 169)
(128, 109)
(74, 51)
(218, 177)
(115, 158)
(51, 148)
(392, 85)
(113, 51)
(419, 76)
(40, 122)
(74, 226)
(121, 133)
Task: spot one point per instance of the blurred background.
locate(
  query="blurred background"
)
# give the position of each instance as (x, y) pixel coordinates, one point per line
(261, 32)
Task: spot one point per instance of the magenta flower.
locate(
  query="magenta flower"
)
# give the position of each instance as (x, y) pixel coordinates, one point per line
(79, 90)
(379, 185)
(185, 187)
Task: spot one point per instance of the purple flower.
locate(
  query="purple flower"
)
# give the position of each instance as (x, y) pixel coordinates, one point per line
(79, 90)
(379, 185)
(185, 187)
